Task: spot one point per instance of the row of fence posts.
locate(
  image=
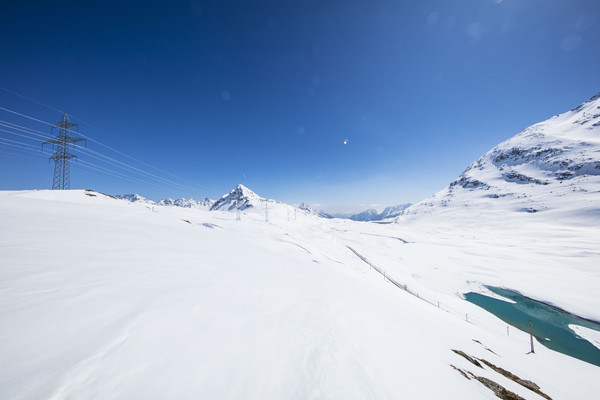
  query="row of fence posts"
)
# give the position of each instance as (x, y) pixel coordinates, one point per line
(405, 287)
(387, 279)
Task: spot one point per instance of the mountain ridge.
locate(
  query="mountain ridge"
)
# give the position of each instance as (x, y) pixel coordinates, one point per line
(536, 170)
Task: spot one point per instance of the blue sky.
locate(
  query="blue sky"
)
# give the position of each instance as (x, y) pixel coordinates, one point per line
(203, 95)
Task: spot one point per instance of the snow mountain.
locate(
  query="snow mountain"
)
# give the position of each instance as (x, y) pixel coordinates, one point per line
(205, 204)
(182, 202)
(241, 198)
(374, 215)
(393, 211)
(367, 215)
(314, 211)
(550, 167)
(134, 198)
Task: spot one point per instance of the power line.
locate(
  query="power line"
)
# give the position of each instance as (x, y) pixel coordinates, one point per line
(123, 165)
(28, 147)
(24, 129)
(18, 134)
(30, 99)
(93, 140)
(114, 150)
(17, 144)
(85, 164)
(89, 165)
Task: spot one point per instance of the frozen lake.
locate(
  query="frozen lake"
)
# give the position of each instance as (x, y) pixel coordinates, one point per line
(550, 324)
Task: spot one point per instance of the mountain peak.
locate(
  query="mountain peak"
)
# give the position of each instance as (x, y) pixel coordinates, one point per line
(538, 169)
(239, 198)
(243, 189)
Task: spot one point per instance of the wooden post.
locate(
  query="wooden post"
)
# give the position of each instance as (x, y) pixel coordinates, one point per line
(531, 336)
(466, 317)
(507, 334)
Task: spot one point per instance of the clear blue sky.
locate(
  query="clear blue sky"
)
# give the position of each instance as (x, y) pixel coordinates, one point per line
(265, 93)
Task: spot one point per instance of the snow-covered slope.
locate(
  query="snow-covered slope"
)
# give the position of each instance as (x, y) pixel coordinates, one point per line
(104, 299)
(125, 302)
(393, 211)
(552, 167)
(311, 210)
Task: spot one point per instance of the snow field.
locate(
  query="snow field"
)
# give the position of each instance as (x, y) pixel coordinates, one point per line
(100, 298)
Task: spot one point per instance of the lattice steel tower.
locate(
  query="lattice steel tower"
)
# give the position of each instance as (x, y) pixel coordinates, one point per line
(62, 169)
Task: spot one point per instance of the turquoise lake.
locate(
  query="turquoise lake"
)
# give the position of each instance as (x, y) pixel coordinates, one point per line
(550, 324)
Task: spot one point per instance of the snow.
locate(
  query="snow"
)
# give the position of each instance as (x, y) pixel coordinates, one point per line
(101, 298)
(311, 210)
(241, 198)
(367, 215)
(538, 170)
(374, 215)
(537, 238)
(104, 298)
(588, 334)
(134, 198)
(205, 204)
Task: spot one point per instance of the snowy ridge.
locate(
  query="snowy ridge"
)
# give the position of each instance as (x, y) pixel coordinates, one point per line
(205, 204)
(374, 215)
(313, 211)
(551, 166)
(367, 215)
(134, 198)
(393, 211)
(241, 198)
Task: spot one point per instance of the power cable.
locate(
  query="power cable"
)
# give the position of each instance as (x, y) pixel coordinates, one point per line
(103, 145)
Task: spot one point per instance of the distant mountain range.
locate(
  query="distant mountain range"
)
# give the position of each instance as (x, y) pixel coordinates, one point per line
(374, 215)
(205, 204)
(241, 198)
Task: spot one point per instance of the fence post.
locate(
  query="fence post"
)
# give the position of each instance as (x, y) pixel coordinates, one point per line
(531, 336)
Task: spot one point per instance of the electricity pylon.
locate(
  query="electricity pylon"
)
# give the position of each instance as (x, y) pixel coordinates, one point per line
(62, 169)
